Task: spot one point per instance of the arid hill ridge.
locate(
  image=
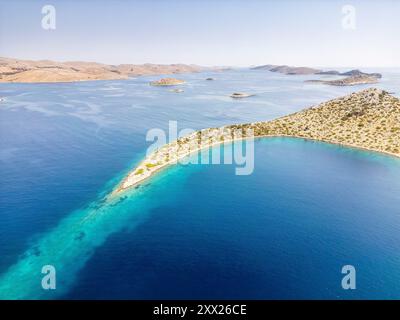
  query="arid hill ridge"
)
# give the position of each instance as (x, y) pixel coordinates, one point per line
(15, 70)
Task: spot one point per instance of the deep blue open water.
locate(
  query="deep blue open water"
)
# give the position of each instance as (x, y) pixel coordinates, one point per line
(196, 231)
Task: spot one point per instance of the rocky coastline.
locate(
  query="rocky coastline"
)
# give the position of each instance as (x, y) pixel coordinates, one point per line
(368, 119)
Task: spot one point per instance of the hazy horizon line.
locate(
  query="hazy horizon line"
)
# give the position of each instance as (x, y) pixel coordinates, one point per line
(199, 64)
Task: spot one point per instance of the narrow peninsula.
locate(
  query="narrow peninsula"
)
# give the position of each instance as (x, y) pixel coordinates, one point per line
(368, 119)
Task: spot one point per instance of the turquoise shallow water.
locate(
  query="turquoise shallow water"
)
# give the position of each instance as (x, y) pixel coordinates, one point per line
(193, 231)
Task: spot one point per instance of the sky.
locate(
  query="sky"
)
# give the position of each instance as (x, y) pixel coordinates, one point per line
(206, 32)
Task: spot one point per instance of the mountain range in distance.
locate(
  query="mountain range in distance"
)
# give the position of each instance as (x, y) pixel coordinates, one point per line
(16, 70)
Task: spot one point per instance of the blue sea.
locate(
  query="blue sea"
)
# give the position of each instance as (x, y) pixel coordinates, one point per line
(191, 231)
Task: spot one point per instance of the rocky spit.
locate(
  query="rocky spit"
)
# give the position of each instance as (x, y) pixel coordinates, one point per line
(368, 119)
(289, 70)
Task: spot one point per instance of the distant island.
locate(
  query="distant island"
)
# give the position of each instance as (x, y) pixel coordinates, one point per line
(369, 119)
(287, 69)
(15, 70)
(352, 77)
(348, 81)
(357, 73)
(167, 82)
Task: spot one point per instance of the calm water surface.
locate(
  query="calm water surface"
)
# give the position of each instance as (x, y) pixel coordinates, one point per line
(193, 231)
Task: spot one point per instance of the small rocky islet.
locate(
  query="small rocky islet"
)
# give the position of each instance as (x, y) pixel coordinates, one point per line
(167, 82)
(240, 95)
(348, 81)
